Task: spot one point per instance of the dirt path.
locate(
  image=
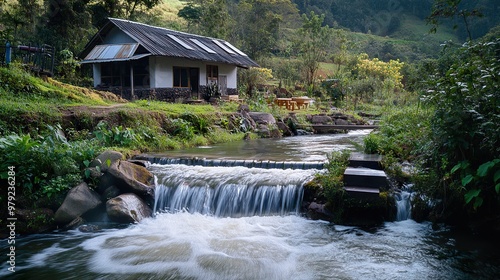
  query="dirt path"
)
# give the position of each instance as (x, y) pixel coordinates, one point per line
(94, 110)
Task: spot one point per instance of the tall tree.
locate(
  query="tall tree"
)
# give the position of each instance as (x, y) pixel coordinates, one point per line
(207, 17)
(120, 8)
(259, 24)
(313, 44)
(67, 24)
(443, 9)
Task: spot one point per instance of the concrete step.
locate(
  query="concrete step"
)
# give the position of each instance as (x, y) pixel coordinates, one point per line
(365, 178)
(365, 160)
(362, 193)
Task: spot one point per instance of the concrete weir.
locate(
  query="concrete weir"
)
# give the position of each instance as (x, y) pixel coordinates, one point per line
(267, 164)
(364, 177)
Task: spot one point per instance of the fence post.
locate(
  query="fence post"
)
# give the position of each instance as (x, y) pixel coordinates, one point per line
(7, 53)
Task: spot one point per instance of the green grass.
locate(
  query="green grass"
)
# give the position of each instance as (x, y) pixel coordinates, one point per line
(415, 29)
(172, 109)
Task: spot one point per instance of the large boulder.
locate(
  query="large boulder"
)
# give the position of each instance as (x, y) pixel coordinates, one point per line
(130, 177)
(285, 130)
(266, 124)
(321, 119)
(341, 122)
(262, 118)
(106, 159)
(127, 208)
(79, 200)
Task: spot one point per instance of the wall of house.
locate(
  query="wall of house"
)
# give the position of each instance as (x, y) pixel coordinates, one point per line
(231, 72)
(162, 76)
(116, 36)
(96, 70)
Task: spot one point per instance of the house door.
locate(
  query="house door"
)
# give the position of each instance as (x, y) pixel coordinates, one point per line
(194, 78)
(223, 85)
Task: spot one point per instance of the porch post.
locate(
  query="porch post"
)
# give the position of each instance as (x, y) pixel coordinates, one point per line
(131, 82)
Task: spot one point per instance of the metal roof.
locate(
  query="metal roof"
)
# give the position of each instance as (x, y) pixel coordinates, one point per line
(160, 41)
(102, 60)
(117, 51)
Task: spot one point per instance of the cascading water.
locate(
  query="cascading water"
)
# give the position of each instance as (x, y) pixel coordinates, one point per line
(229, 191)
(403, 204)
(272, 246)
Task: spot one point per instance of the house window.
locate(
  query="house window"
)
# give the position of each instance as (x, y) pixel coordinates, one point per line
(111, 74)
(141, 72)
(181, 77)
(212, 73)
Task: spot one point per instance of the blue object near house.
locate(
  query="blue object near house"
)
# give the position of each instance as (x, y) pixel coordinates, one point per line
(7, 53)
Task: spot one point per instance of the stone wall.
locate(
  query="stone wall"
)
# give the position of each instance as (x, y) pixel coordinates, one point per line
(162, 94)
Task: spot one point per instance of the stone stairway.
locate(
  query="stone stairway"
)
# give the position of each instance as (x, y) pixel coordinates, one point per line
(364, 177)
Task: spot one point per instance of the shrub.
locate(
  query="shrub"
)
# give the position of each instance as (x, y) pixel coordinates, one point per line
(463, 143)
(372, 142)
(46, 166)
(116, 136)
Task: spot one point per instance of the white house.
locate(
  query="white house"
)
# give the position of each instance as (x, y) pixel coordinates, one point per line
(142, 61)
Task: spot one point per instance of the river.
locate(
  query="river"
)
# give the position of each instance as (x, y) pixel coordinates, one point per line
(245, 223)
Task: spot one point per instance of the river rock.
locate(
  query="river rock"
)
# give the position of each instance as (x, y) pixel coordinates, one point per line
(79, 200)
(317, 211)
(262, 118)
(341, 122)
(321, 119)
(127, 208)
(130, 177)
(110, 192)
(285, 130)
(243, 108)
(143, 163)
(248, 123)
(106, 159)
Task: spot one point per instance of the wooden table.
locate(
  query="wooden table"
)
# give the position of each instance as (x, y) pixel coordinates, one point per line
(282, 102)
(302, 102)
(286, 102)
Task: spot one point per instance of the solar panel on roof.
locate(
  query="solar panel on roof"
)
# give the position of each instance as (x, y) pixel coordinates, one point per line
(180, 42)
(222, 46)
(203, 46)
(235, 49)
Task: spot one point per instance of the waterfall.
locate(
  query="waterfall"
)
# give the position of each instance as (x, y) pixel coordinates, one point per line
(268, 164)
(229, 191)
(403, 204)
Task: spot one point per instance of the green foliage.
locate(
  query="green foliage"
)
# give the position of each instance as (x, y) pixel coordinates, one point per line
(372, 143)
(116, 136)
(46, 166)
(183, 129)
(313, 43)
(209, 18)
(403, 131)
(212, 90)
(472, 181)
(465, 128)
(252, 77)
(67, 67)
(332, 180)
(442, 9)
(199, 123)
(334, 90)
(259, 23)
